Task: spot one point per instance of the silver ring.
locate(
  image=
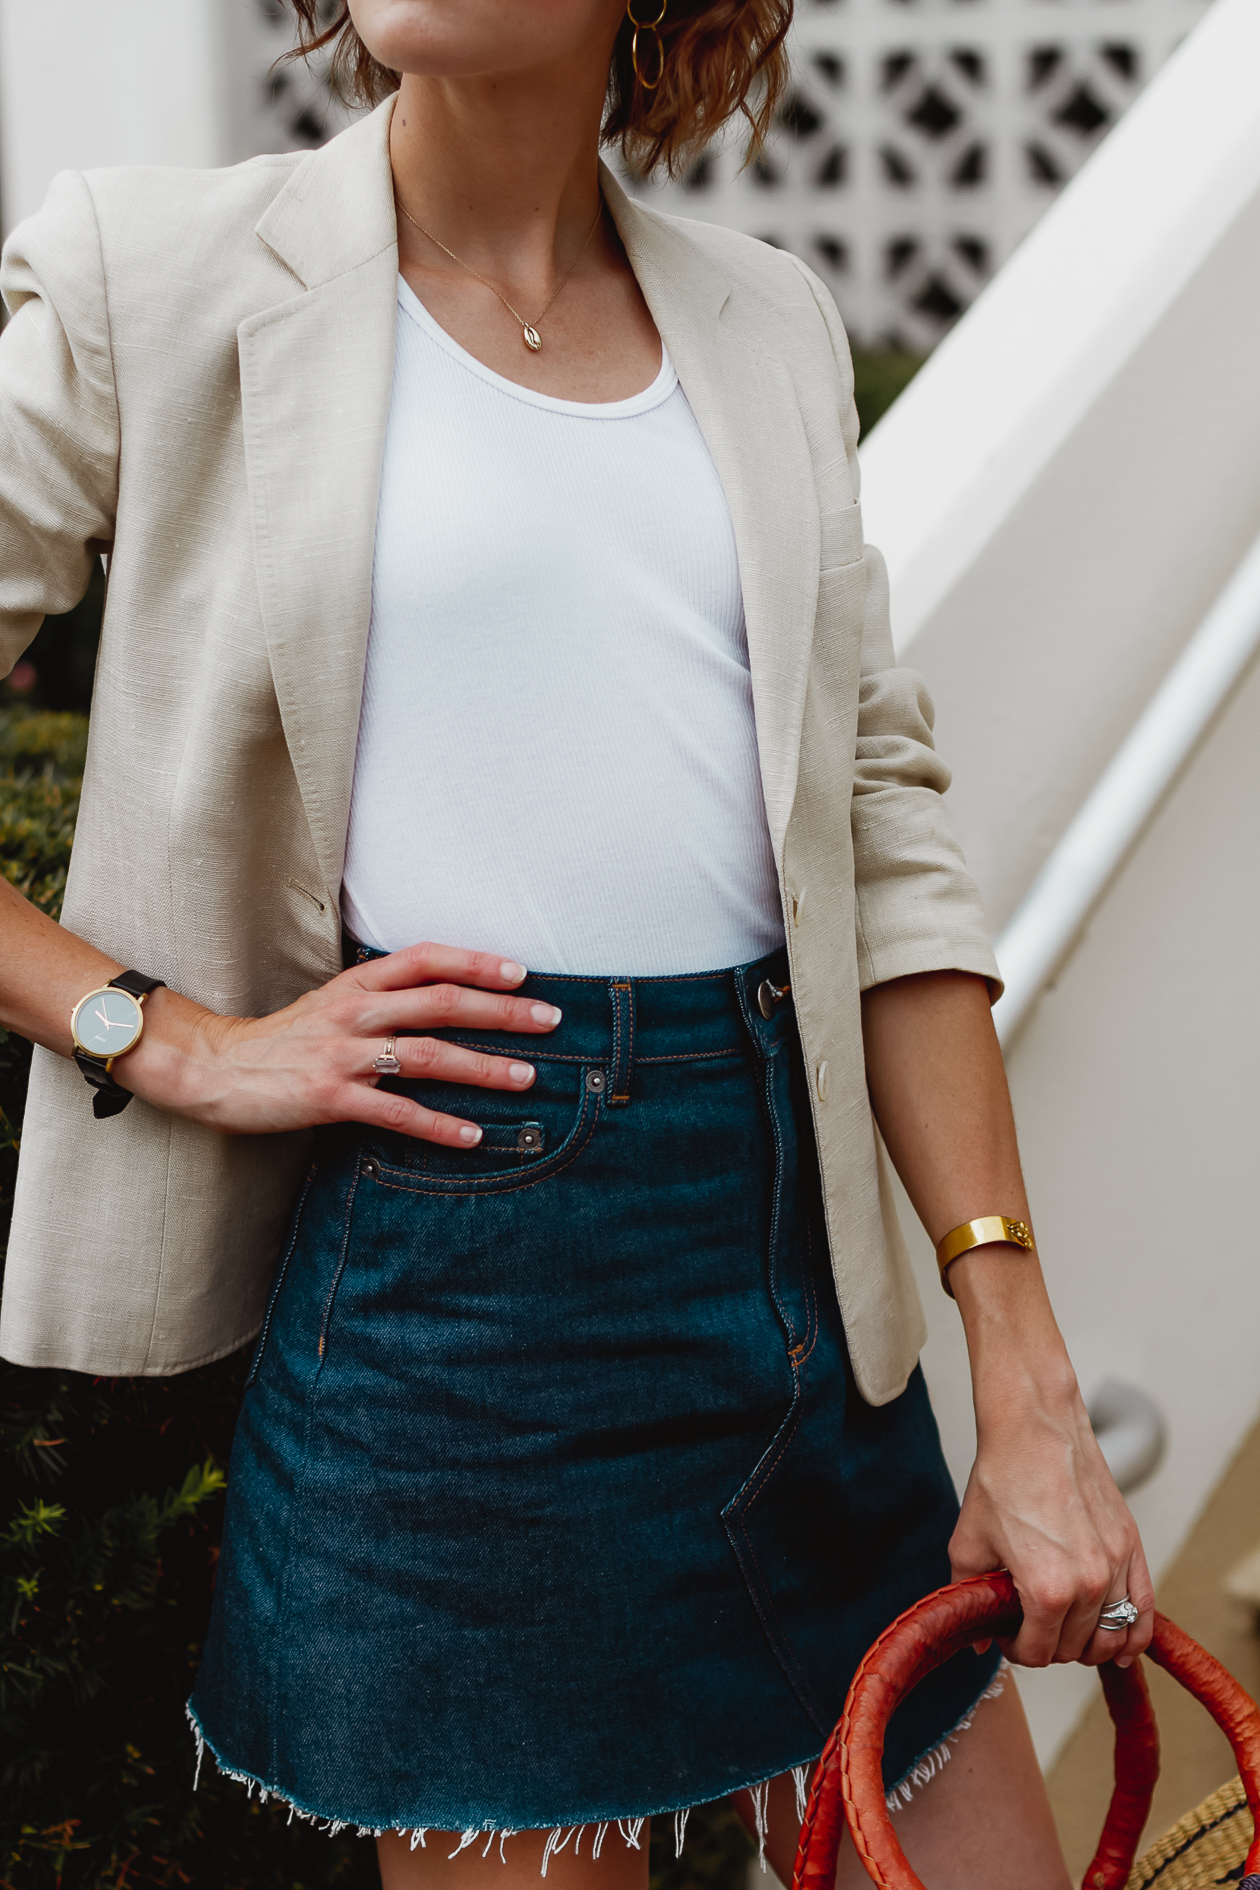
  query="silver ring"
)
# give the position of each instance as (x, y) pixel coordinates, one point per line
(387, 1063)
(1119, 1616)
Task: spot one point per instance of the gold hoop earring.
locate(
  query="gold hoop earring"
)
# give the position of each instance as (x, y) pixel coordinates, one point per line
(646, 26)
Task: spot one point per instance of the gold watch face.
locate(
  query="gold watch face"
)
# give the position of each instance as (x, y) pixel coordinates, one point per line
(106, 1022)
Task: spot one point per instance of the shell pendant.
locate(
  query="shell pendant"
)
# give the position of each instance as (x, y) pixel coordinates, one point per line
(531, 337)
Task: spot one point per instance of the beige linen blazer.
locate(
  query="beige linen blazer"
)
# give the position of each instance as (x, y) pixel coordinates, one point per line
(196, 378)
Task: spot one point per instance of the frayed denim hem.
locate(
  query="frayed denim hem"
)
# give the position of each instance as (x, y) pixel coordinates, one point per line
(929, 1763)
(558, 1836)
(914, 1778)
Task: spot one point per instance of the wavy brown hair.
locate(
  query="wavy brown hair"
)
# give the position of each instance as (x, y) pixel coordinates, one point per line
(720, 59)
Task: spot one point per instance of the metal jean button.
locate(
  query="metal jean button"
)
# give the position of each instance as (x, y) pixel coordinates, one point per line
(770, 996)
(596, 1080)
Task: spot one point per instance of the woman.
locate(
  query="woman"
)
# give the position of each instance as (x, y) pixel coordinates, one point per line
(485, 566)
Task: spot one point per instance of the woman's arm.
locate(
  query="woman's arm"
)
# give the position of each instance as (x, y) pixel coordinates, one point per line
(1040, 1500)
(308, 1064)
(311, 1062)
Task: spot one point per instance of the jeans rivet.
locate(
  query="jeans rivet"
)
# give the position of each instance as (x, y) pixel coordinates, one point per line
(529, 1141)
(372, 1170)
(595, 1079)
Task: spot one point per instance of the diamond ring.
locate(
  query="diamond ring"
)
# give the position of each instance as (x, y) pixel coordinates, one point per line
(1119, 1616)
(387, 1063)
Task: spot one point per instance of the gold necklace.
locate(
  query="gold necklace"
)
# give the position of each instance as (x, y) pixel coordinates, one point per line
(529, 330)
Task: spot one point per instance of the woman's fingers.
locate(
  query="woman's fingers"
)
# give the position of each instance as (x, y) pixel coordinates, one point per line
(1142, 1595)
(437, 964)
(1062, 1607)
(1060, 1620)
(381, 1109)
(1096, 1580)
(449, 1006)
(1045, 1603)
(1124, 1645)
(436, 987)
(429, 1057)
(433, 1058)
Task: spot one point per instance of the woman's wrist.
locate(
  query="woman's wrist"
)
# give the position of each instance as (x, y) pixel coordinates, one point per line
(171, 1064)
(1019, 1362)
(1033, 1383)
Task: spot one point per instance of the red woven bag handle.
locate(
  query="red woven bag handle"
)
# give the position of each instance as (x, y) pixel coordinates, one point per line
(848, 1782)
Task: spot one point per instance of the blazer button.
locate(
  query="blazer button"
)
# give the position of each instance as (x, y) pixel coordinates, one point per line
(823, 1080)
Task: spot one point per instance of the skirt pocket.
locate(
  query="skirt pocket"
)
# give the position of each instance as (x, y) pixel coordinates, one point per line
(754, 1520)
(281, 1270)
(525, 1139)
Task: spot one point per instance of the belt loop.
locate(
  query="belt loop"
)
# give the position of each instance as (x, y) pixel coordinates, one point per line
(621, 992)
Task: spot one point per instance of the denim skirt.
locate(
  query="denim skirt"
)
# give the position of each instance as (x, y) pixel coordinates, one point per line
(552, 1501)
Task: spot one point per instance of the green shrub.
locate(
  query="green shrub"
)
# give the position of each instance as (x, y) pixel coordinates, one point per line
(41, 768)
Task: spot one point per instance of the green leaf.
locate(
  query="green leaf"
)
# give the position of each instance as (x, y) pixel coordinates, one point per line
(33, 1520)
(204, 1480)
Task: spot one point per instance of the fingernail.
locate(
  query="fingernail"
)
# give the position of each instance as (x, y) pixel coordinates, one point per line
(521, 1072)
(469, 1134)
(1125, 1660)
(545, 1013)
(511, 972)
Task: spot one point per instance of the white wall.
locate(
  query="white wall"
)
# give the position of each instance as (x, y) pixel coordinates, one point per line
(923, 141)
(1068, 482)
(1062, 493)
(194, 82)
(1138, 1101)
(88, 82)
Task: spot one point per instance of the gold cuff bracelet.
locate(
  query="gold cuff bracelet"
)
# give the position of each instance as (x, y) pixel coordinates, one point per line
(986, 1232)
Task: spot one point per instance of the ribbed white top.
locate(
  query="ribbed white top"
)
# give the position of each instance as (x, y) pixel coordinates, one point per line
(557, 757)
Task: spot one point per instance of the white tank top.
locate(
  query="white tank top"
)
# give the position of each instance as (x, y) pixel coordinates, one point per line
(557, 758)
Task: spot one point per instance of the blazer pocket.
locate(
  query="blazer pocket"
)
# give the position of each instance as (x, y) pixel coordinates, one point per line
(841, 539)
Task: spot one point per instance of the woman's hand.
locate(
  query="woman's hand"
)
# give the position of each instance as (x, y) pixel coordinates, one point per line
(311, 1063)
(307, 1064)
(1040, 1500)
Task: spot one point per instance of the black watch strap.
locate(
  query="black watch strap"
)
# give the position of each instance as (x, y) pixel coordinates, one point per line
(136, 983)
(111, 1098)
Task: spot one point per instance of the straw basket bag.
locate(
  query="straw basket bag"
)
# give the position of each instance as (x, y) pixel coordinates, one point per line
(1209, 1846)
(1215, 1844)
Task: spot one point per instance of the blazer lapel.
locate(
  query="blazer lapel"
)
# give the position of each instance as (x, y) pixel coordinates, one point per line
(316, 373)
(745, 404)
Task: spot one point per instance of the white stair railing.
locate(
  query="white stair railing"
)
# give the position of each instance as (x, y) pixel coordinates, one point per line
(1048, 923)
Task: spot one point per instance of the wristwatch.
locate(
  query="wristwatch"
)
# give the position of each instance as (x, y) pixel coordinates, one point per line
(105, 1025)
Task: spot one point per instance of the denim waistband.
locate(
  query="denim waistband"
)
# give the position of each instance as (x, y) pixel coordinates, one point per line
(622, 1021)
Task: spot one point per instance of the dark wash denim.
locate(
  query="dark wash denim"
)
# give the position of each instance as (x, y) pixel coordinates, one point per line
(552, 1499)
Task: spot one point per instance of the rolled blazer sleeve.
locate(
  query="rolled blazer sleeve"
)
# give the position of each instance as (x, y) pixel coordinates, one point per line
(59, 430)
(918, 908)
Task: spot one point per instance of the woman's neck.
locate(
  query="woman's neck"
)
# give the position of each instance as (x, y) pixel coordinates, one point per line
(499, 169)
(504, 170)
